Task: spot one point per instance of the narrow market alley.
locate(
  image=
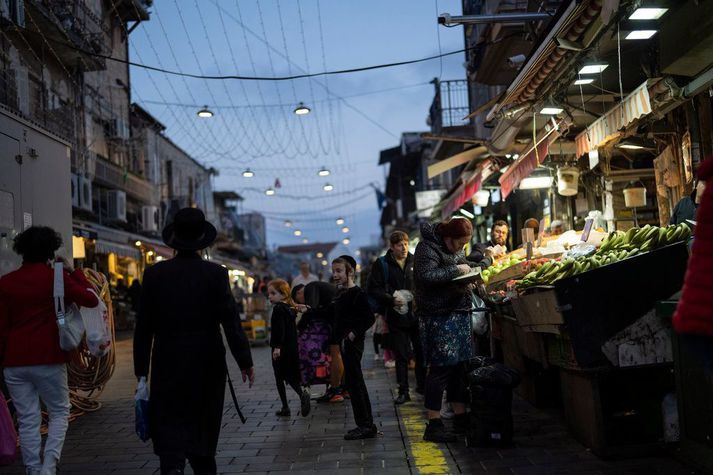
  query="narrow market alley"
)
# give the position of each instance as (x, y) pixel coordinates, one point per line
(104, 442)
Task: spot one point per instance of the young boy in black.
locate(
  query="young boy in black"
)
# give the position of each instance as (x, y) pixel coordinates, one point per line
(352, 318)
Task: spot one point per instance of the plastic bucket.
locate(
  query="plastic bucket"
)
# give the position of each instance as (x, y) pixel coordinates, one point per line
(567, 181)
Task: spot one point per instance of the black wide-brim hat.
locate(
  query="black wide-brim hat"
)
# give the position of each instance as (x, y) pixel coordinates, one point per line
(189, 231)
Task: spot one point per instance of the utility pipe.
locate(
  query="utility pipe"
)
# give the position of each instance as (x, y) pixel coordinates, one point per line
(448, 20)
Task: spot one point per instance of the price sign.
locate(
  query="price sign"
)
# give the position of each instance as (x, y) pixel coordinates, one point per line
(541, 232)
(588, 223)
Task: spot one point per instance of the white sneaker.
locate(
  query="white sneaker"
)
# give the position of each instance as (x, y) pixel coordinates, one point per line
(390, 364)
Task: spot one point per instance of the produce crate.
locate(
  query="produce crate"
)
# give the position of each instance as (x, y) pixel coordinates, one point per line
(515, 271)
(598, 304)
(539, 311)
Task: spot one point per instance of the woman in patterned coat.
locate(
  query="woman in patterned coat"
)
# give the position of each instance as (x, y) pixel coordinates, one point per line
(443, 308)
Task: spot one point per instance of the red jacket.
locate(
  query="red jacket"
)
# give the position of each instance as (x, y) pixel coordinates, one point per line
(694, 314)
(28, 324)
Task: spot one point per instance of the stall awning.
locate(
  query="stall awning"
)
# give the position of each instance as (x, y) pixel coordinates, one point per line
(123, 250)
(456, 160)
(530, 160)
(609, 126)
(467, 189)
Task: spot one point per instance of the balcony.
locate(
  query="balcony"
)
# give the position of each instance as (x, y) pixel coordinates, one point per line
(133, 10)
(113, 176)
(71, 28)
(450, 105)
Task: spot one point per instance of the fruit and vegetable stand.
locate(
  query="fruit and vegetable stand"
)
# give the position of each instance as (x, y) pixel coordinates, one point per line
(564, 311)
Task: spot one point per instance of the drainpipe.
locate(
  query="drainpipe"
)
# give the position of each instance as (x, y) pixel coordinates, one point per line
(448, 20)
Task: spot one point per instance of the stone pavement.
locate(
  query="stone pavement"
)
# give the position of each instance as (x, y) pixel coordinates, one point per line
(104, 442)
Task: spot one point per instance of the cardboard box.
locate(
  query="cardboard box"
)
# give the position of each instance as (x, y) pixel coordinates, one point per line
(539, 312)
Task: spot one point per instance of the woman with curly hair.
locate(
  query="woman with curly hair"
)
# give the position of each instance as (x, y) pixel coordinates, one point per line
(283, 341)
(35, 365)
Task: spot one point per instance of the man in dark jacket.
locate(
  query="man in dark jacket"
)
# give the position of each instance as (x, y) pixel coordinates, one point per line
(389, 273)
(184, 302)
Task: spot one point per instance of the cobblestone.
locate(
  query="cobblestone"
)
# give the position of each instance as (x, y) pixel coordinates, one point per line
(104, 442)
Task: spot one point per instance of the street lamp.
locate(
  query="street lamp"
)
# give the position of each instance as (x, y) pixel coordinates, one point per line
(340, 221)
(327, 187)
(302, 109)
(248, 173)
(270, 191)
(205, 113)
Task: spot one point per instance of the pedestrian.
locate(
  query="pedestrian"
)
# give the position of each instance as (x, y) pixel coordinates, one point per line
(305, 276)
(390, 276)
(443, 307)
(314, 332)
(352, 318)
(184, 302)
(496, 246)
(687, 206)
(283, 341)
(34, 364)
(135, 295)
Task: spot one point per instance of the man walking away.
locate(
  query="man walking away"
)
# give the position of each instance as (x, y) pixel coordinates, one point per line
(392, 272)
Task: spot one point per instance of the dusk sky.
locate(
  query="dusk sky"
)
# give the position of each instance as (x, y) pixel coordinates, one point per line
(254, 126)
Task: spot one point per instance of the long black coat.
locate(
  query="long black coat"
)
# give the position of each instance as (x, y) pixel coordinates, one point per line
(383, 292)
(283, 335)
(184, 302)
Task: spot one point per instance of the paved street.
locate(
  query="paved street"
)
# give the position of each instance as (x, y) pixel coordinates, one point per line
(104, 442)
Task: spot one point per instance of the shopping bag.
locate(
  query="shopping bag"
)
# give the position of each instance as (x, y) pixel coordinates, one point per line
(141, 405)
(69, 320)
(8, 436)
(96, 324)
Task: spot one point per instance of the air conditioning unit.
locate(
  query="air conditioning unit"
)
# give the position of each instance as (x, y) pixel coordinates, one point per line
(75, 191)
(85, 193)
(149, 218)
(116, 205)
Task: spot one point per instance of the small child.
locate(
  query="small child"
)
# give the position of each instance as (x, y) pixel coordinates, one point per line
(283, 341)
(352, 318)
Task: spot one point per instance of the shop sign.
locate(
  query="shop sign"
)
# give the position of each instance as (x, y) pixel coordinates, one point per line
(426, 200)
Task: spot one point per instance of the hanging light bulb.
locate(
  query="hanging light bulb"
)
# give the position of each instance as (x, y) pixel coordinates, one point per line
(346, 241)
(302, 109)
(288, 223)
(248, 173)
(327, 187)
(320, 255)
(323, 172)
(297, 232)
(205, 113)
(270, 191)
(340, 221)
(345, 229)
(305, 241)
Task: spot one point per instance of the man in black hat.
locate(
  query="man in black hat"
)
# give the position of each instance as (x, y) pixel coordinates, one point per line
(184, 302)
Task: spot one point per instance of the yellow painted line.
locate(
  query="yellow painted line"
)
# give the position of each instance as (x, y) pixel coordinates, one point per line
(428, 457)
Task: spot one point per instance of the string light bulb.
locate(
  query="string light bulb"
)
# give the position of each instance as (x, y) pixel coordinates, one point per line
(248, 173)
(340, 221)
(205, 113)
(302, 109)
(323, 172)
(328, 187)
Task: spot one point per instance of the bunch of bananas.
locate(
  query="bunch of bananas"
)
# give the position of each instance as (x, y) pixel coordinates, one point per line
(617, 246)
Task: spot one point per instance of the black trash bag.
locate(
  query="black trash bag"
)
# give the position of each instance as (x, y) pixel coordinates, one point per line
(495, 375)
(480, 361)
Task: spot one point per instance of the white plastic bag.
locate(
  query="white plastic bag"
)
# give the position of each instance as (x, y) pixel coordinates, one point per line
(96, 324)
(141, 409)
(406, 296)
(69, 321)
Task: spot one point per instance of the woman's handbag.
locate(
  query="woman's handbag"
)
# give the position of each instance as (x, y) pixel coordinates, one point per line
(69, 320)
(8, 436)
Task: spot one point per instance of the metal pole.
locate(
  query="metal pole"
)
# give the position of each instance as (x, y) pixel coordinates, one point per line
(448, 20)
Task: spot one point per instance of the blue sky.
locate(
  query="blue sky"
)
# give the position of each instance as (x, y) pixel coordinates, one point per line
(254, 125)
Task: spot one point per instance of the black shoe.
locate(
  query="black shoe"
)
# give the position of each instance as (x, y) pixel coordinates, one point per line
(284, 412)
(305, 403)
(361, 433)
(461, 423)
(437, 432)
(402, 399)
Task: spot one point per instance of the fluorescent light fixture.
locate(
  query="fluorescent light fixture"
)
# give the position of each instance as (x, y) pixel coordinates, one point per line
(636, 143)
(516, 156)
(323, 172)
(640, 35)
(551, 110)
(248, 173)
(536, 182)
(327, 187)
(580, 82)
(630, 146)
(648, 13)
(297, 232)
(270, 191)
(340, 221)
(302, 109)
(467, 213)
(593, 68)
(205, 113)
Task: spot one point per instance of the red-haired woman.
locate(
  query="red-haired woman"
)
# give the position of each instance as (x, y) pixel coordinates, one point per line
(443, 308)
(283, 341)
